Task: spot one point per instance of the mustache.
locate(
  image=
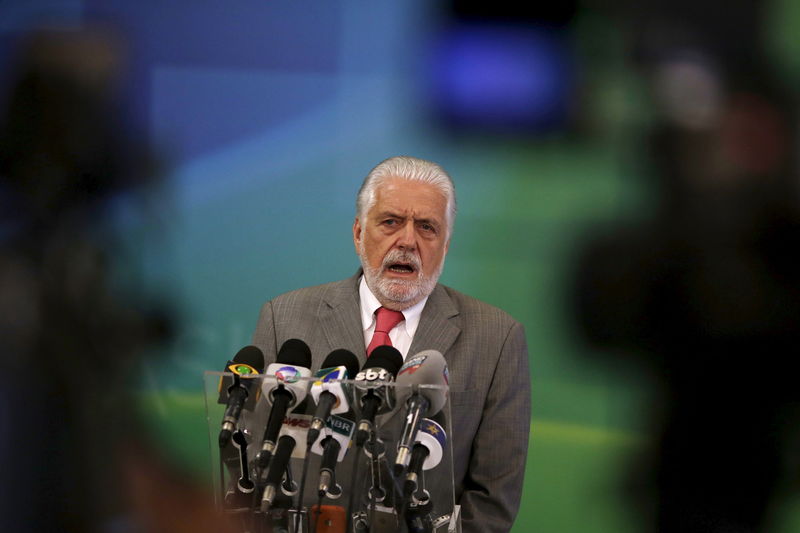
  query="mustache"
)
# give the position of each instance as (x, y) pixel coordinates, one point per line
(398, 256)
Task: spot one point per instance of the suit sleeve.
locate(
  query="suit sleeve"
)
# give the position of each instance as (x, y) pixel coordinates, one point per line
(493, 484)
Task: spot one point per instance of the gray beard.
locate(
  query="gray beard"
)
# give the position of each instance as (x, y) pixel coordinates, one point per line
(398, 294)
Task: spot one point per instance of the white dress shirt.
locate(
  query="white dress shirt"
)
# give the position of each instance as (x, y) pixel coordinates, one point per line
(403, 333)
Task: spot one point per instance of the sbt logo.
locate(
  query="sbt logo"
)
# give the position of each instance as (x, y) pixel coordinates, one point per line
(374, 374)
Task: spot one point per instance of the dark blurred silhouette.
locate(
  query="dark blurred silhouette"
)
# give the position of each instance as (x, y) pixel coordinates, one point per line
(74, 457)
(705, 293)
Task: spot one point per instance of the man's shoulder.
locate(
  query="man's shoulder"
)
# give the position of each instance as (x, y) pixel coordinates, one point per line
(325, 291)
(474, 309)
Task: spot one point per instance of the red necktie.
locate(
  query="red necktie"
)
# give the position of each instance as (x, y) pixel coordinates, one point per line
(386, 319)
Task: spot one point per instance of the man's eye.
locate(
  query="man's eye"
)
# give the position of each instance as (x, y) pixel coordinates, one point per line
(427, 227)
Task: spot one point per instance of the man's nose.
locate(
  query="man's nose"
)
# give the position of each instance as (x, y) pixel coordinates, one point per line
(407, 239)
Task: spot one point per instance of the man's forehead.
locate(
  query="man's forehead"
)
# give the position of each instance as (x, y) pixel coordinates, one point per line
(404, 194)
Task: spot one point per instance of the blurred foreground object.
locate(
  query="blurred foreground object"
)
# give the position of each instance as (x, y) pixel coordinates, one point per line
(705, 294)
(73, 455)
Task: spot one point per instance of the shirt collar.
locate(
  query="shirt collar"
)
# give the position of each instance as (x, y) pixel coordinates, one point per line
(370, 304)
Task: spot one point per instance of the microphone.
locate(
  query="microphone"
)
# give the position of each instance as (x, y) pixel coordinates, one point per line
(327, 469)
(414, 388)
(277, 468)
(333, 446)
(249, 361)
(374, 396)
(426, 453)
(328, 392)
(284, 387)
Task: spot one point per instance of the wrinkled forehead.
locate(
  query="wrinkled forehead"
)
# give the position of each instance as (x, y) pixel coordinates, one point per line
(409, 197)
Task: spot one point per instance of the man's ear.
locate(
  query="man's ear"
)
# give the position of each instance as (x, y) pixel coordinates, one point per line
(357, 234)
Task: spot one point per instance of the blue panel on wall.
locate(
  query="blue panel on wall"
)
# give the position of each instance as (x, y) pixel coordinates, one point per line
(503, 78)
(200, 110)
(246, 33)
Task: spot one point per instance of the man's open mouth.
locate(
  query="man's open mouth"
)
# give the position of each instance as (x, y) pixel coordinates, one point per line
(401, 268)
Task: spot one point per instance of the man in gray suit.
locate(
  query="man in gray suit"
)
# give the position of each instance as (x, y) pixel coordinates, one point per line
(405, 213)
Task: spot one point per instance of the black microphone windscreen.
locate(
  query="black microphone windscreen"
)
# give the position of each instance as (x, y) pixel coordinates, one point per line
(439, 418)
(386, 357)
(252, 356)
(294, 352)
(342, 357)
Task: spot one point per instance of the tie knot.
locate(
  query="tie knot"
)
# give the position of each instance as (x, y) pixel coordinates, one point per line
(386, 319)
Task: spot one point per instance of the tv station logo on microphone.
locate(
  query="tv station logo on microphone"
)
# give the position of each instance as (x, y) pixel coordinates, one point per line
(326, 375)
(432, 428)
(288, 374)
(374, 374)
(412, 365)
(242, 369)
(297, 421)
(340, 425)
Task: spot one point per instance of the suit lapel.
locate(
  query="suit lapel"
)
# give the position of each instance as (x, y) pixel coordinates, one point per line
(436, 330)
(340, 318)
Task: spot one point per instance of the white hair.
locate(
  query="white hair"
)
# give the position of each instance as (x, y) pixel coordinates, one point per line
(412, 169)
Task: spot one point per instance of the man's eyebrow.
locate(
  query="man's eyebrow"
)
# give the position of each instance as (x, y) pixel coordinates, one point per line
(389, 214)
(393, 214)
(431, 221)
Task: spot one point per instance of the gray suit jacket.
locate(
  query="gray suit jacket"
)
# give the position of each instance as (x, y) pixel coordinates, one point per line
(487, 358)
